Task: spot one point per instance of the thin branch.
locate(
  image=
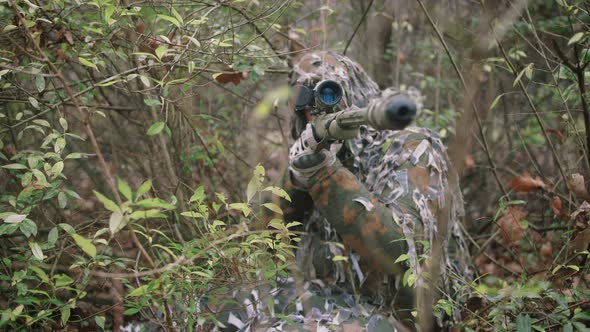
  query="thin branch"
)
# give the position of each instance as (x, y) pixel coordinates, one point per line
(357, 27)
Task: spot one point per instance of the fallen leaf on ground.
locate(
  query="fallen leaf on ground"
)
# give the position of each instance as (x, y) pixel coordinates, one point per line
(526, 183)
(510, 224)
(581, 242)
(581, 210)
(546, 250)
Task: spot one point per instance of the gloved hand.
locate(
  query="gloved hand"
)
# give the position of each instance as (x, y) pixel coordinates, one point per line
(305, 159)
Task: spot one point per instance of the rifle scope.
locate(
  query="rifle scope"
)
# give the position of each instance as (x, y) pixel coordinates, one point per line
(325, 95)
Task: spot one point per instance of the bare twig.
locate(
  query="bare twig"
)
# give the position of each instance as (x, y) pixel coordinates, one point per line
(357, 27)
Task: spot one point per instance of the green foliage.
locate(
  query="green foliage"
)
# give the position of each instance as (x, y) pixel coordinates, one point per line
(133, 74)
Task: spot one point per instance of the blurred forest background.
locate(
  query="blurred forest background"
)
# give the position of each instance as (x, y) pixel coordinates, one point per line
(130, 131)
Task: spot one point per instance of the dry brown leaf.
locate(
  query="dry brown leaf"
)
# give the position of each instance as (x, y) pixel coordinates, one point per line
(546, 250)
(526, 183)
(69, 38)
(556, 205)
(577, 186)
(229, 77)
(140, 27)
(514, 267)
(469, 162)
(581, 242)
(560, 136)
(581, 210)
(509, 224)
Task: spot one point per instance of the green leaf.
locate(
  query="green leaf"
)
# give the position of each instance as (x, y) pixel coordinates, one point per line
(170, 19)
(293, 224)
(223, 44)
(496, 100)
(63, 123)
(575, 38)
(34, 102)
(15, 218)
(40, 273)
(176, 14)
(147, 214)
(108, 204)
(255, 182)
(52, 236)
(124, 189)
(149, 203)
(152, 102)
(28, 227)
(191, 214)
(527, 69)
(139, 291)
(65, 314)
(144, 188)
(108, 13)
(18, 310)
(116, 222)
(198, 195)
(217, 223)
(402, 258)
(242, 207)
(156, 128)
(130, 311)
(273, 207)
(85, 244)
(251, 189)
(75, 155)
(57, 168)
(66, 227)
(42, 122)
(581, 327)
(160, 51)
(14, 166)
(87, 63)
(278, 192)
(523, 323)
(62, 200)
(40, 83)
(100, 320)
(109, 83)
(339, 258)
(36, 250)
(145, 80)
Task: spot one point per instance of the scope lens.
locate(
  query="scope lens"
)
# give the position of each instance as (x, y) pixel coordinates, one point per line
(328, 95)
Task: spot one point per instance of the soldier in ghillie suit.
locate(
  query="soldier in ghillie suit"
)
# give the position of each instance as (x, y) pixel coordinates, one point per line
(379, 194)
